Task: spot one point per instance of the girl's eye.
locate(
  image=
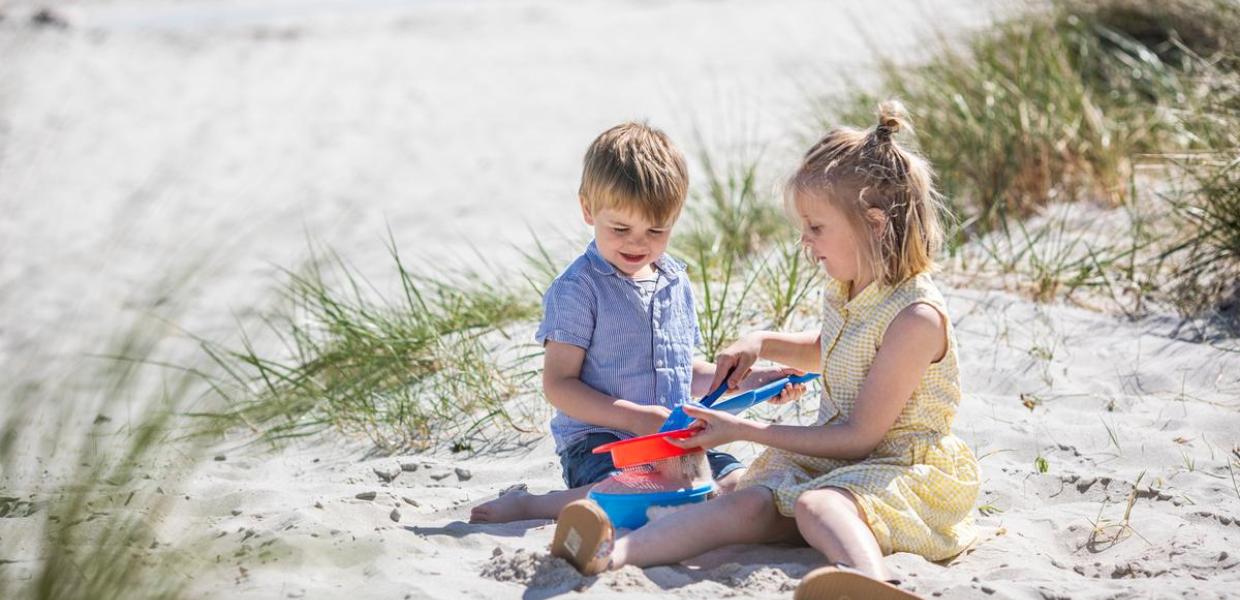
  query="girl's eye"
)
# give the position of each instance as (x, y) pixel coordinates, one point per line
(815, 229)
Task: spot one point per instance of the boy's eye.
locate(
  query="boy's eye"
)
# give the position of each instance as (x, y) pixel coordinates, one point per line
(815, 228)
(620, 229)
(658, 231)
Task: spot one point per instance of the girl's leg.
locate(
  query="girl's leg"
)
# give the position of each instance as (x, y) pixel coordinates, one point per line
(830, 520)
(518, 505)
(747, 516)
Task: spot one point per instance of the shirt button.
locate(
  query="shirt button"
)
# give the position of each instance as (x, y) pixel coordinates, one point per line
(658, 363)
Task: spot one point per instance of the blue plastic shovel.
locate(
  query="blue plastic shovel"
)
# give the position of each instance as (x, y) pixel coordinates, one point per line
(736, 404)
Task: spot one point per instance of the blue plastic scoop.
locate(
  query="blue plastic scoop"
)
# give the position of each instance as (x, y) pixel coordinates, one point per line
(736, 404)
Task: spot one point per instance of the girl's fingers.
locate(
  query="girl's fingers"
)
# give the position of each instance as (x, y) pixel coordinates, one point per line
(701, 414)
(788, 371)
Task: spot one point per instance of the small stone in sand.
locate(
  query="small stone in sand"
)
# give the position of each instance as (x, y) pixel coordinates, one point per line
(318, 504)
(220, 458)
(409, 467)
(366, 495)
(395, 515)
(439, 476)
(410, 501)
(49, 18)
(387, 474)
(236, 512)
(463, 474)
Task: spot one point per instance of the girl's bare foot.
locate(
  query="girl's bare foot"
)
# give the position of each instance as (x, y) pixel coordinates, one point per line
(511, 505)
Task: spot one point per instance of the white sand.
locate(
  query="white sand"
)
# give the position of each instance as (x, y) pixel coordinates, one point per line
(140, 142)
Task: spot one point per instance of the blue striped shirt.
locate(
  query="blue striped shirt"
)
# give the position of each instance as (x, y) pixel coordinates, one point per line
(636, 350)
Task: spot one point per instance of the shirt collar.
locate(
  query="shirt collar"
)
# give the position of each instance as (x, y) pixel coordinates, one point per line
(668, 266)
(837, 295)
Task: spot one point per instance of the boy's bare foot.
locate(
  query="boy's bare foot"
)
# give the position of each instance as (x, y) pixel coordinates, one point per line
(838, 583)
(584, 537)
(509, 506)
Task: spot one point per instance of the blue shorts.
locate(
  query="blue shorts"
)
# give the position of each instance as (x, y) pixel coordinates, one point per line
(582, 467)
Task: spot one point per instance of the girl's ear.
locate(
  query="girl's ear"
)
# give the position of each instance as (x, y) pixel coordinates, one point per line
(877, 220)
(585, 211)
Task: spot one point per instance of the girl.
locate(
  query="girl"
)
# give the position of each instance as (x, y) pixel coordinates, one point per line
(880, 471)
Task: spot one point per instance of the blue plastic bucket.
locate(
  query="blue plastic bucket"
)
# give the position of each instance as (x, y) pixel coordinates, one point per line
(628, 511)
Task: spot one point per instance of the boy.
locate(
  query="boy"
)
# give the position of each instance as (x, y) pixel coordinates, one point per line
(619, 325)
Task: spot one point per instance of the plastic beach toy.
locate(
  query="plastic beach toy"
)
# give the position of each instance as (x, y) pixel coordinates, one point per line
(653, 472)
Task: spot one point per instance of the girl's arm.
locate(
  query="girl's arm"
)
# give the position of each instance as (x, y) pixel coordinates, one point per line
(915, 339)
(797, 350)
(564, 389)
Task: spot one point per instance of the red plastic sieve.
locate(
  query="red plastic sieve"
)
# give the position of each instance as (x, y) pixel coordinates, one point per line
(647, 448)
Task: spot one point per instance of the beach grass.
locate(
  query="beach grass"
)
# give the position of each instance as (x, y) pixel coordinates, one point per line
(417, 369)
(1059, 105)
(82, 500)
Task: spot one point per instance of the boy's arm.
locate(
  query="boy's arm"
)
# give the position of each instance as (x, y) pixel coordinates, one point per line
(564, 389)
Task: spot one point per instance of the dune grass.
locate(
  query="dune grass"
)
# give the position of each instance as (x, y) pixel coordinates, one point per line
(1059, 105)
(82, 497)
(742, 251)
(418, 370)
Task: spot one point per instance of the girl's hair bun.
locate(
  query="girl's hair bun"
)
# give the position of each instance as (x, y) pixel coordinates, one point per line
(892, 117)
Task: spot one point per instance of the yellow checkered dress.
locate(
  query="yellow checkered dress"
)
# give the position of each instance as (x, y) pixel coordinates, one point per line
(918, 487)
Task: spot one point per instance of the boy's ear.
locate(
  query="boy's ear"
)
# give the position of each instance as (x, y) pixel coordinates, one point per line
(585, 211)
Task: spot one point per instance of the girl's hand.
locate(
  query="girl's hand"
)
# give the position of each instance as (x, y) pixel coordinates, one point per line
(715, 428)
(737, 360)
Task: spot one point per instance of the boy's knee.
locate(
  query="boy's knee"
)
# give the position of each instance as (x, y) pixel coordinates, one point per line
(752, 503)
(727, 484)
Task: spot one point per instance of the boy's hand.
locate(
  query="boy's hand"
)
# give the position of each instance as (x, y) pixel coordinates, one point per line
(764, 375)
(715, 428)
(652, 419)
(736, 359)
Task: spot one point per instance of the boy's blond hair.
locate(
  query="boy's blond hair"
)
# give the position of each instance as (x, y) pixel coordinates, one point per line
(861, 172)
(635, 167)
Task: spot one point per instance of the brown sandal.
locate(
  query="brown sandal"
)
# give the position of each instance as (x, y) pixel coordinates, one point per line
(583, 537)
(844, 583)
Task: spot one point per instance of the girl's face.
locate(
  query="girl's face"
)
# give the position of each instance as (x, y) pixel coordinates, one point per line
(830, 238)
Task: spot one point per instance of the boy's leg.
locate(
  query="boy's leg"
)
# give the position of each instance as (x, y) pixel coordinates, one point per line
(520, 505)
(747, 516)
(582, 469)
(830, 520)
(726, 469)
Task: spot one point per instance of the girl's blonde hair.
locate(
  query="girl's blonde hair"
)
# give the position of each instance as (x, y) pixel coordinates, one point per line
(866, 174)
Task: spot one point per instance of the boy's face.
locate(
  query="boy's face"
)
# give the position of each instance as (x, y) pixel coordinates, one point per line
(628, 240)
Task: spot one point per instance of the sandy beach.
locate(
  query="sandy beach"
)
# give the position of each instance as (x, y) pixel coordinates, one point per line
(197, 147)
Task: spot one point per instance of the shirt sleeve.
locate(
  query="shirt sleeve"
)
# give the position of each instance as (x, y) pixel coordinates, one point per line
(697, 329)
(568, 313)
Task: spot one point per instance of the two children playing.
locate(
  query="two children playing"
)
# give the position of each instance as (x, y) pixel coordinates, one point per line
(878, 472)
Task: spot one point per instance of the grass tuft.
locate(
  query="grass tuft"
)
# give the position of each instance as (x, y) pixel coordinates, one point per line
(414, 372)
